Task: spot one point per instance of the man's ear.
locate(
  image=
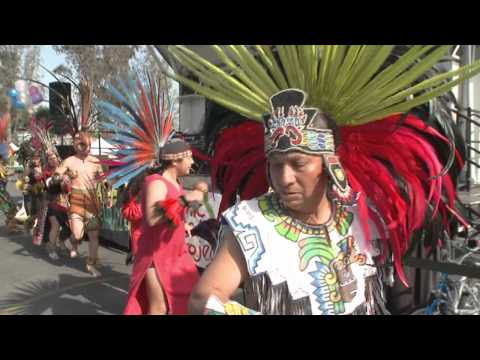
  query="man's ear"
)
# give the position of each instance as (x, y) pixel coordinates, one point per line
(269, 177)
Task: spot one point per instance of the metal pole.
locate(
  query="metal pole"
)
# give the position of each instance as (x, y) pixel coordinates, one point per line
(464, 103)
(468, 141)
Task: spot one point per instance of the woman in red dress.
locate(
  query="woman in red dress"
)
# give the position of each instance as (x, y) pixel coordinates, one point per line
(164, 273)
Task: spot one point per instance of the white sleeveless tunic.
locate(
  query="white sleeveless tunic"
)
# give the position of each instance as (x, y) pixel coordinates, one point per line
(328, 263)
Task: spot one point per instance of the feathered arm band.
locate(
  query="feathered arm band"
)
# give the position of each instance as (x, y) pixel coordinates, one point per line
(56, 185)
(172, 210)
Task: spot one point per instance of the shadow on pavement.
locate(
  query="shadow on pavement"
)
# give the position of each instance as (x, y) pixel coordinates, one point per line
(69, 295)
(28, 249)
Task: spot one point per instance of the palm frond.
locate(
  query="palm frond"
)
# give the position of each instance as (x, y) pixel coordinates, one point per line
(351, 83)
(23, 300)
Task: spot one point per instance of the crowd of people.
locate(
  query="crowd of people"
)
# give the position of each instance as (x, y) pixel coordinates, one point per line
(322, 195)
(59, 195)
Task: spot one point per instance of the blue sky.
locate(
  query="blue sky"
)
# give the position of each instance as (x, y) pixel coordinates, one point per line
(50, 59)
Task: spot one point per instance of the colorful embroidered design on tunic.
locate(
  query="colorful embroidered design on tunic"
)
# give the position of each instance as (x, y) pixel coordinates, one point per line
(334, 280)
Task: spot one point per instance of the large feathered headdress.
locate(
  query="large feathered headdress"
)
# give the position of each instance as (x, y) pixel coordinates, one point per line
(41, 139)
(142, 123)
(390, 157)
(81, 117)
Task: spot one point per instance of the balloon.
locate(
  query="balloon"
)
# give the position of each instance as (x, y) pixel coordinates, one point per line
(12, 93)
(35, 94)
(22, 98)
(20, 85)
(23, 102)
(19, 104)
(4, 151)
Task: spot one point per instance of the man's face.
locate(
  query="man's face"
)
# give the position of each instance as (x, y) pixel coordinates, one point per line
(82, 144)
(298, 179)
(184, 166)
(52, 160)
(36, 161)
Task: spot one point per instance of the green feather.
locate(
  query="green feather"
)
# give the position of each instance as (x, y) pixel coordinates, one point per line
(348, 82)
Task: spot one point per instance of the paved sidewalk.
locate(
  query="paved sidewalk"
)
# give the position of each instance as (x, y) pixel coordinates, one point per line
(32, 283)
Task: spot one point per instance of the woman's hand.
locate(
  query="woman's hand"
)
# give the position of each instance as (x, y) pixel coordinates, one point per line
(201, 186)
(194, 195)
(188, 229)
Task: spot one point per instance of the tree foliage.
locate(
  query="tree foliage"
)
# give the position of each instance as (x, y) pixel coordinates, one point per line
(106, 63)
(98, 63)
(10, 61)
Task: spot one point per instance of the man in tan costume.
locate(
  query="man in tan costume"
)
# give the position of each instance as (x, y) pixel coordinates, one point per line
(84, 171)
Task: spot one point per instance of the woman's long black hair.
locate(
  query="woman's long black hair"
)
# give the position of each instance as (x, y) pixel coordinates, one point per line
(136, 184)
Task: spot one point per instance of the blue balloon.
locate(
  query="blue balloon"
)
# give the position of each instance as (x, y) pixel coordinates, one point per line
(19, 105)
(13, 93)
(4, 151)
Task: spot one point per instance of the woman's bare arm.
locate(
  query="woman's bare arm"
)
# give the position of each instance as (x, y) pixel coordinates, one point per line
(156, 191)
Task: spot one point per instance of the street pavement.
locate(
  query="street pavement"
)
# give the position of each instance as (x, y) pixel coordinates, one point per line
(33, 284)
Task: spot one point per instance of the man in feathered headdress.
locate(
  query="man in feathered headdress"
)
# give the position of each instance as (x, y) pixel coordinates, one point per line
(7, 204)
(356, 180)
(4, 150)
(52, 215)
(84, 172)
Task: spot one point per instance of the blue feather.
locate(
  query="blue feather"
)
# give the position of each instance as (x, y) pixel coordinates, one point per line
(123, 119)
(126, 174)
(117, 94)
(127, 178)
(127, 151)
(130, 89)
(131, 157)
(118, 128)
(127, 139)
(113, 111)
(120, 171)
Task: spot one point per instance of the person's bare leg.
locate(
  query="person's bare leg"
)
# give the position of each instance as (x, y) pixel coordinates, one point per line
(157, 304)
(52, 237)
(92, 260)
(77, 227)
(93, 244)
(54, 230)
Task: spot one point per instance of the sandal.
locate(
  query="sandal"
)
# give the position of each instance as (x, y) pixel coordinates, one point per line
(91, 267)
(52, 254)
(62, 248)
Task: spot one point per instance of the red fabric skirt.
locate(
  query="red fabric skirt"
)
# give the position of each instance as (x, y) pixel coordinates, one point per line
(164, 248)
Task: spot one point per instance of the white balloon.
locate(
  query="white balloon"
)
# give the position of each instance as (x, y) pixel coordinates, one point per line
(23, 97)
(20, 85)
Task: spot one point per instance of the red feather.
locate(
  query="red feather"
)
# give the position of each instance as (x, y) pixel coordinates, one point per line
(239, 151)
(375, 156)
(371, 153)
(173, 210)
(4, 121)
